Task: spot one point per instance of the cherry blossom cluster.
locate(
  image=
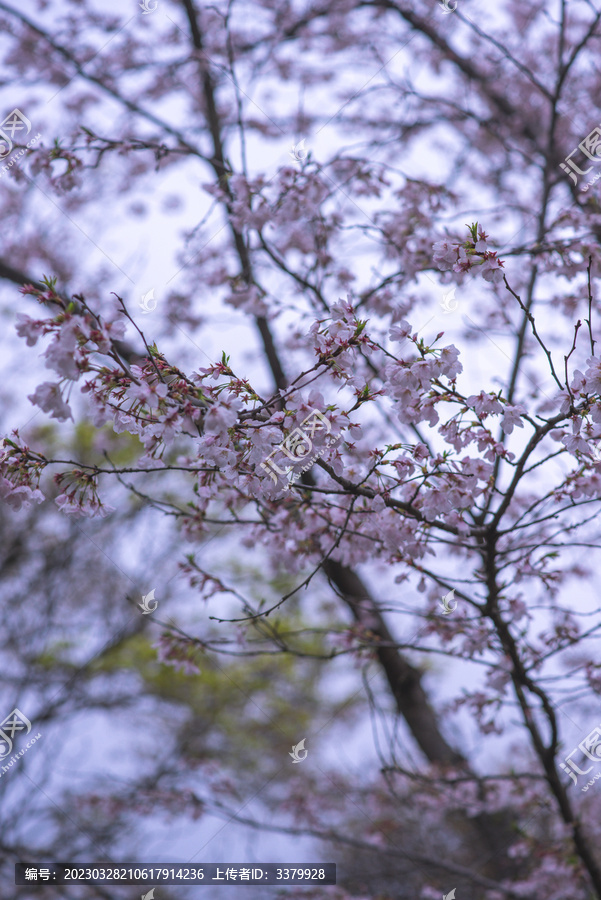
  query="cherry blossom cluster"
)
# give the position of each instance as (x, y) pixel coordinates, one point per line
(472, 253)
(234, 431)
(232, 427)
(492, 491)
(177, 651)
(582, 401)
(216, 425)
(20, 472)
(59, 165)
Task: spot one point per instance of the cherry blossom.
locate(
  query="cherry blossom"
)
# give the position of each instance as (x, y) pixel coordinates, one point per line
(592, 375)
(19, 496)
(364, 456)
(445, 255)
(512, 417)
(29, 328)
(484, 404)
(48, 396)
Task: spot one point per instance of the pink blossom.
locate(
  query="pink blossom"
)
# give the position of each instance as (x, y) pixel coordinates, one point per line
(19, 496)
(166, 428)
(578, 383)
(221, 416)
(512, 417)
(342, 310)
(436, 503)
(48, 396)
(400, 331)
(482, 470)
(484, 404)
(61, 354)
(110, 331)
(78, 505)
(176, 651)
(341, 331)
(31, 329)
(574, 444)
(492, 269)
(149, 394)
(593, 375)
(445, 255)
(464, 261)
(449, 362)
